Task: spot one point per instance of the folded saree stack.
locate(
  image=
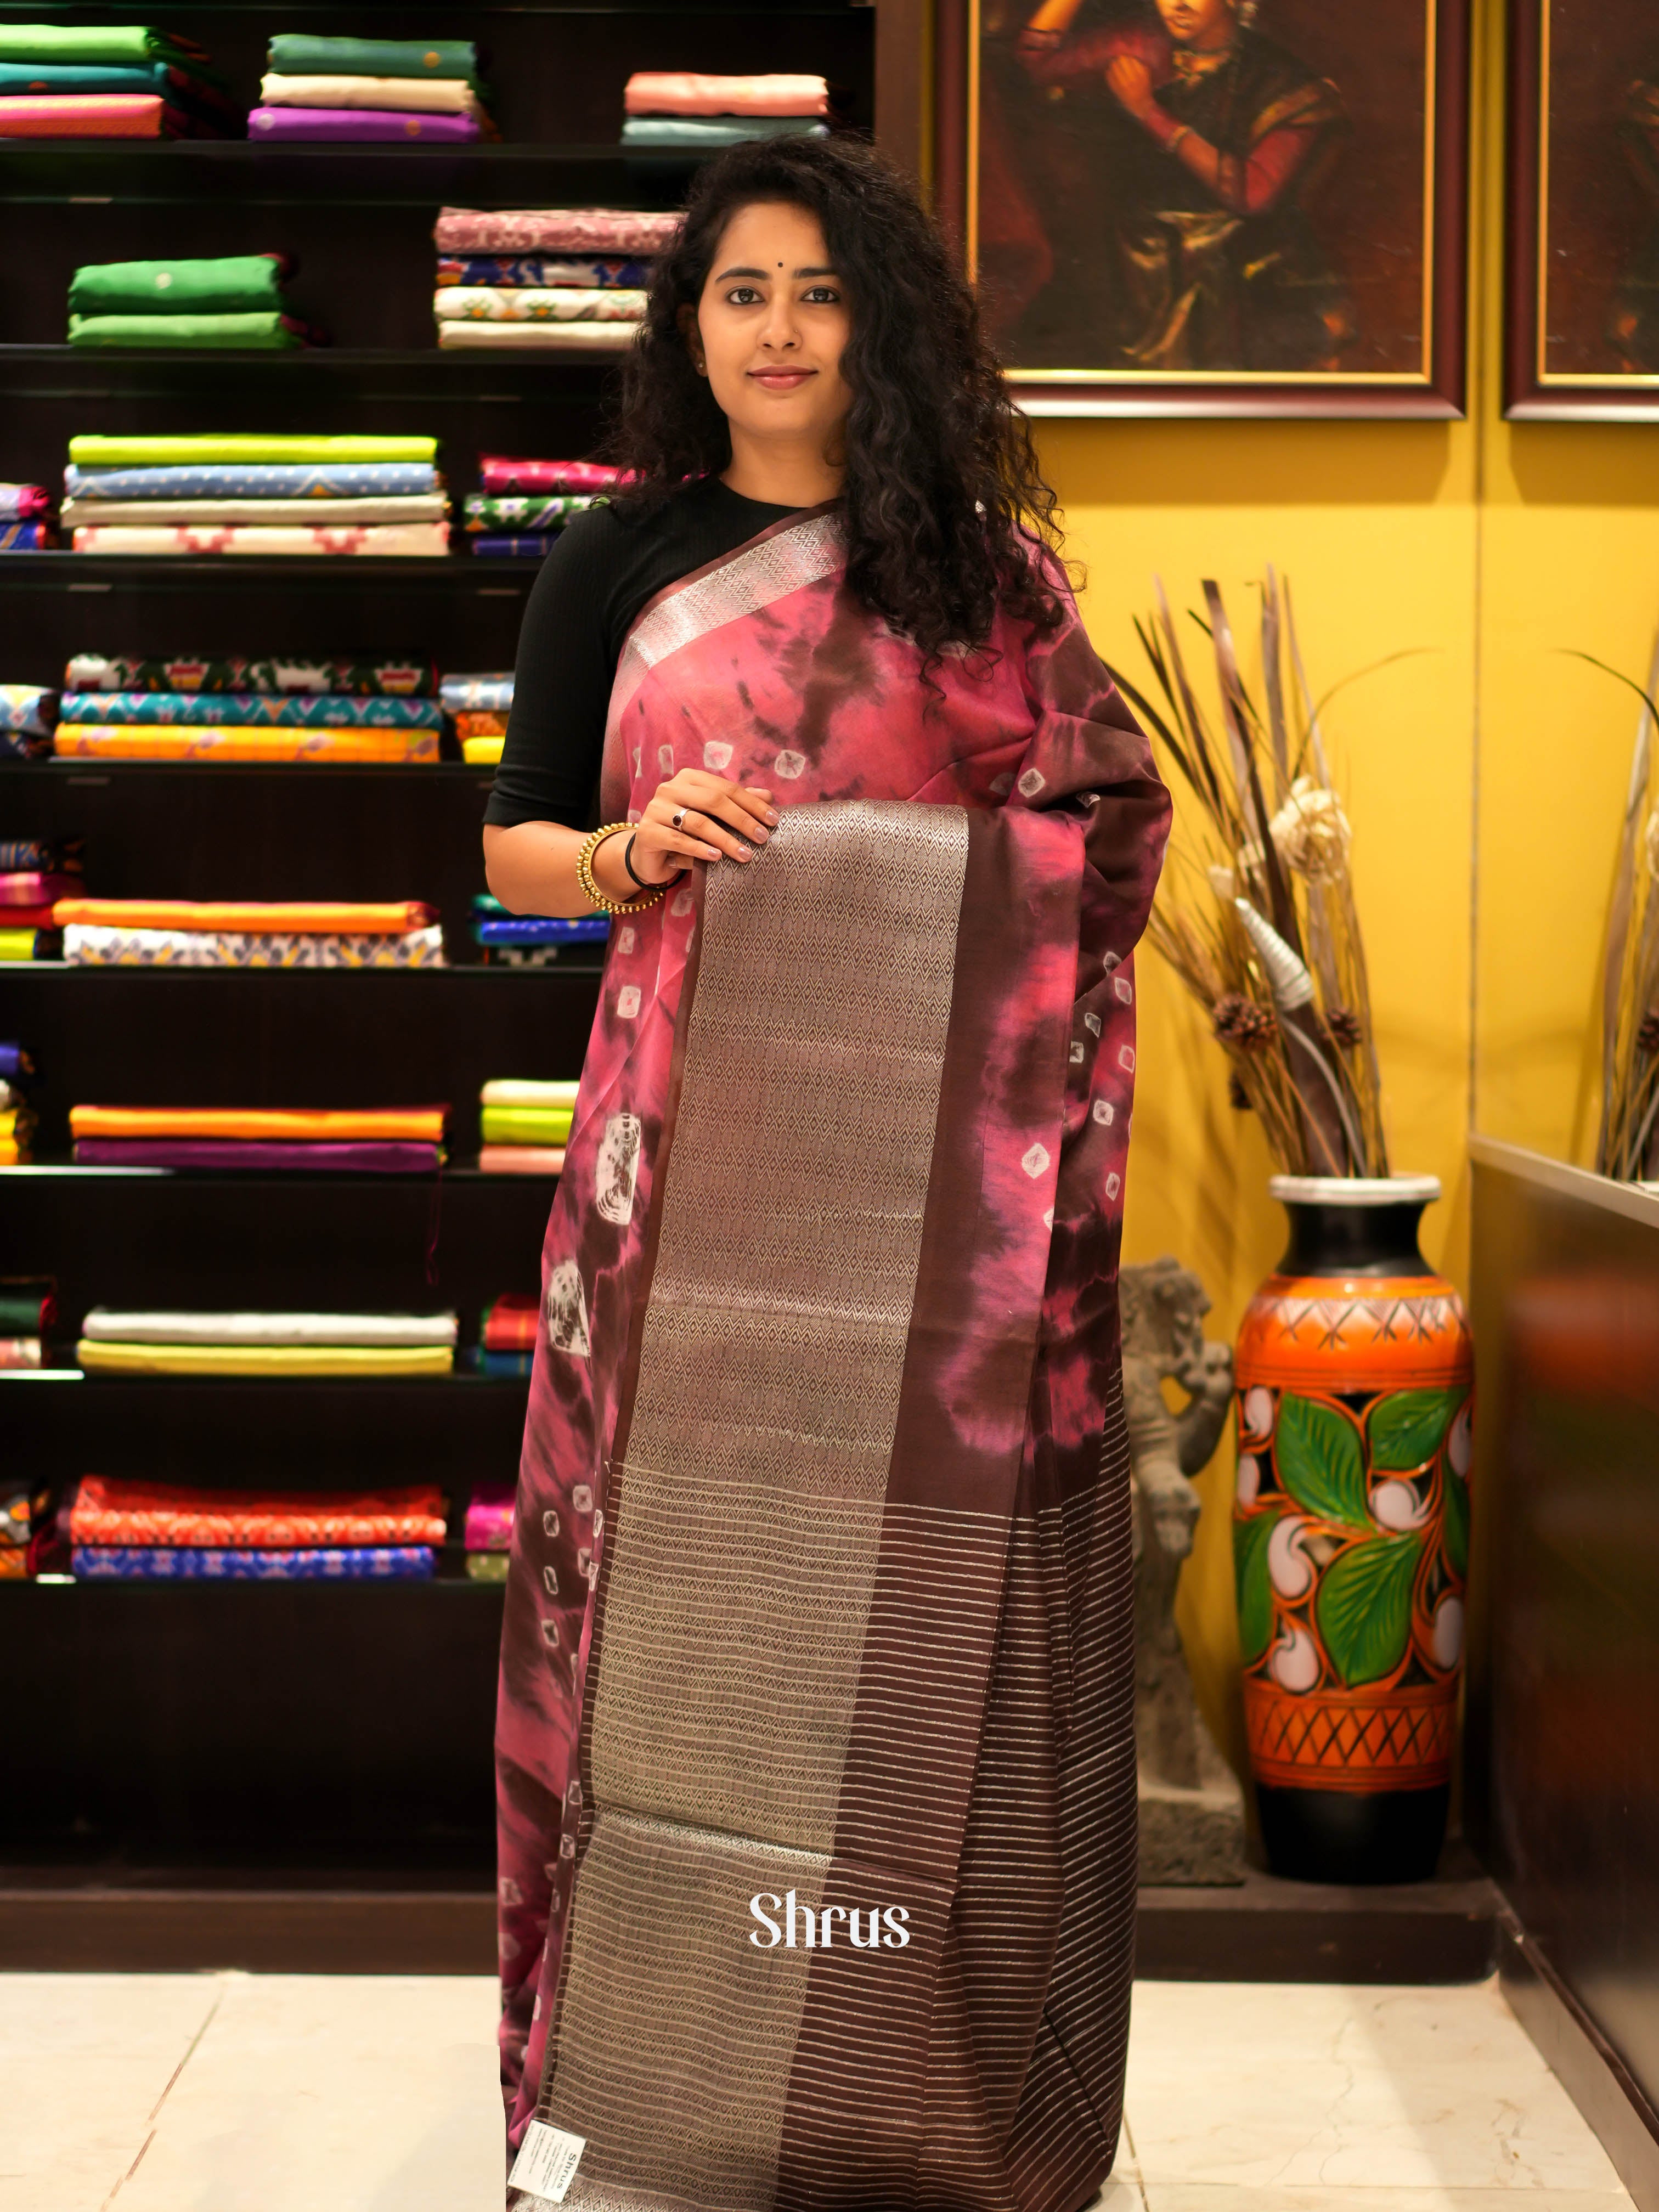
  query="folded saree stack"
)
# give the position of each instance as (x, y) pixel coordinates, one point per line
(29, 715)
(127, 1531)
(115, 81)
(26, 525)
(506, 1335)
(236, 302)
(521, 506)
(34, 876)
(256, 493)
(679, 111)
(530, 940)
(233, 933)
(478, 706)
(266, 1344)
(28, 1307)
(398, 92)
(233, 709)
(15, 1535)
(571, 280)
(244, 1139)
(489, 1530)
(524, 1126)
(16, 1129)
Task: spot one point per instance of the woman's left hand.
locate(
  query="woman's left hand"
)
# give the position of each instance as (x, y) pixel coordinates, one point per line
(1130, 82)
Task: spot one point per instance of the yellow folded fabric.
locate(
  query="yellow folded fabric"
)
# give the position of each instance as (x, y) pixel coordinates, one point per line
(481, 753)
(525, 1125)
(423, 1125)
(97, 1357)
(16, 944)
(528, 1090)
(10, 1152)
(215, 742)
(304, 917)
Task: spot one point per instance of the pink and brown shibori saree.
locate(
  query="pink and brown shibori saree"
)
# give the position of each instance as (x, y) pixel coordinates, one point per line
(820, 1591)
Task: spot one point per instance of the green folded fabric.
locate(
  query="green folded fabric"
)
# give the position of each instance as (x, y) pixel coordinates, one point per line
(296, 53)
(104, 450)
(238, 284)
(526, 1124)
(125, 45)
(266, 332)
(165, 77)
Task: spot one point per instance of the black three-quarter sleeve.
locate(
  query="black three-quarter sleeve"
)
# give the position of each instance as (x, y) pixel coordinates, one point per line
(550, 765)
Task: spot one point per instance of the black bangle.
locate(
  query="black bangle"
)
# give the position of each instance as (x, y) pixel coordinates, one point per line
(628, 862)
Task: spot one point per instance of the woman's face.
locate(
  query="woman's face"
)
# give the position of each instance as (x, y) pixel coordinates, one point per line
(772, 324)
(1198, 22)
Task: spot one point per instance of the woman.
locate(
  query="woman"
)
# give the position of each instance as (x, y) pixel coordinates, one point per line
(818, 1620)
(1218, 265)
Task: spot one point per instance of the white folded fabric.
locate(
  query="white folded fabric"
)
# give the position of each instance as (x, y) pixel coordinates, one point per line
(404, 95)
(104, 1325)
(98, 945)
(528, 303)
(546, 337)
(508, 1091)
(412, 506)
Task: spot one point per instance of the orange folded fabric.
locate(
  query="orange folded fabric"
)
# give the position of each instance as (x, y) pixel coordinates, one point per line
(303, 917)
(107, 1511)
(297, 1124)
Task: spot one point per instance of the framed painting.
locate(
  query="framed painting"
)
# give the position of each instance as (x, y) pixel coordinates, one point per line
(1583, 211)
(1212, 207)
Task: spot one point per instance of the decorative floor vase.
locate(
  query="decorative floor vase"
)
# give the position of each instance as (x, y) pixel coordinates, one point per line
(1351, 1533)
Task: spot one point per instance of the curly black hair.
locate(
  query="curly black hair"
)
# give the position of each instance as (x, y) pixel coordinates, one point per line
(943, 501)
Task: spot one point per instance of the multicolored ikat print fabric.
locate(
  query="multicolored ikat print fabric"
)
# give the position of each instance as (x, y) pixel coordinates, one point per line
(821, 1567)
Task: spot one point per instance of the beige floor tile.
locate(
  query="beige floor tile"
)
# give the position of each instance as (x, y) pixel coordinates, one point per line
(1301, 2087)
(1223, 2196)
(87, 2058)
(337, 2094)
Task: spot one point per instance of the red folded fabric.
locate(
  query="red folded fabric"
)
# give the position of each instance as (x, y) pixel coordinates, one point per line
(510, 1324)
(108, 1511)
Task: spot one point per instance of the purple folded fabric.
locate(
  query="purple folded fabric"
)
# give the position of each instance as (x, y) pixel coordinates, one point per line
(229, 1153)
(375, 125)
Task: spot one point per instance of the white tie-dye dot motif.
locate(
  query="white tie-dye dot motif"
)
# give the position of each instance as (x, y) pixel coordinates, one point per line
(1104, 1112)
(1003, 784)
(1077, 1055)
(581, 1498)
(550, 1522)
(1091, 1023)
(1126, 1059)
(716, 756)
(665, 759)
(567, 1312)
(617, 1167)
(681, 904)
(628, 1002)
(1030, 783)
(1048, 1219)
(1124, 989)
(1114, 1184)
(638, 757)
(549, 1582)
(626, 940)
(1112, 960)
(1034, 1162)
(789, 765)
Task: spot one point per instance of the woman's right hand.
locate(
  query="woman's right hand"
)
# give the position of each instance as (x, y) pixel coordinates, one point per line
(720, 819)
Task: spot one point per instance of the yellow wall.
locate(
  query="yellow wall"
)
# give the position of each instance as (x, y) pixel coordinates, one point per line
(1484, 777)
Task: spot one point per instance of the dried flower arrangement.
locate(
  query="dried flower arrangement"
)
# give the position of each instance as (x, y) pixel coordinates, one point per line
(1628, 1146)
(1257, 915)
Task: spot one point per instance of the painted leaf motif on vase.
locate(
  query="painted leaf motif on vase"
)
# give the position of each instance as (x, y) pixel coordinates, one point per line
(1364, 1608)
(1255, 1599)
(1320, 1462)
(1408, 1427)
(1455, 1535)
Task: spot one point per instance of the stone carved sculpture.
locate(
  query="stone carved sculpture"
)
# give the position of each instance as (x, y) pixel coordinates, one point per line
(1191, 1809)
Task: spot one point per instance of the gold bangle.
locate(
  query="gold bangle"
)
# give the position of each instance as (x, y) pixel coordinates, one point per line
(590, 889)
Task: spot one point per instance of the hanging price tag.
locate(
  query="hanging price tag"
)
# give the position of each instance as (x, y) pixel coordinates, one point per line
(547, 2162)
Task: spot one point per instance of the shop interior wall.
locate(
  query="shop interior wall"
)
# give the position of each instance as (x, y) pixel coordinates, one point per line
(1484, 774)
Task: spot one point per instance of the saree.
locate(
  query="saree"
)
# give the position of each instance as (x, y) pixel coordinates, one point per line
(819, 1599)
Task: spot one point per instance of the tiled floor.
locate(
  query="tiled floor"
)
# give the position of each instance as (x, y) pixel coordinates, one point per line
(236, 2092)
